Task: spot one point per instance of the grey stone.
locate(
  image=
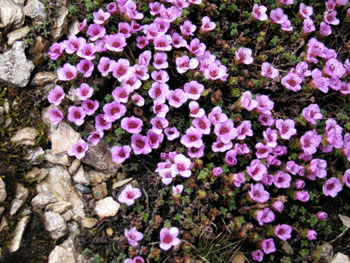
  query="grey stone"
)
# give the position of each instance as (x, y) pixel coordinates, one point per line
(340, 258)
(16, 240)
(107, 207)
(35, 155)
(10, 14)
(20, 198)
(11, 61)
(83, 189)
(59, 207)
(81, 177)
(100, 191)
(25, 136)
(17, 35)
(326, 252)
(3, 193)
(35, 10)
(42, 199)
(55, 224)
(74, 28)
(100, 158)
(43, 78)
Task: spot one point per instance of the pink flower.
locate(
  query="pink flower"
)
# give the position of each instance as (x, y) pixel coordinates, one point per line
(120, 153)
(282, 180)
(286, 128)
(195, 110)
(346, 178)
(262, 151)
(73, 44)
(132, 124)
(225, 131)
(181, 166)
(207, 25)
(178, 41)
(138, 99)
(330, 18)
(318, 81)
(312, 113)
(259, 12)
(158, 92)
(160, 60)
(121, 69)
(321, 215)
(196, 47)
(82, 25)
(101, 123)
(90, 106)
(268, 246)
(171, 133)
(159, 124)
(177, 190)
(56, 50)
(283, 231)
(156, 8)
(67, 73)
(100, 16)
(332, 187)
(258, 194)
(154, 139)
(247, 102)
(193, 89)
(318, 167)
(302, 196)
(305, 11)
(311, 234)
(330, 5)
(265, 216)
(308, 26)
(116, 42)
(334, 68)
(244, 55)
(56, 95)
(265, 105)
(184, 63)
(95, 137)
(244, 130)
(286, 2)
(85, 67)
(257, 255)
(79, 149)
(216, 71)
(87, 52)
(278, 206)
(114, 111)
(277, 16)
(105, 66)
(292, 82)
(56, 115)
(202, 124)
(133, 236)
(112, 8)
(187, 28)
(84, 91)
(76, 115)
(124, 29)
(325, 29)
(162, 43)
(160, 109)
(140, 144)
(176, 98)
(268, 71)
(310, 141)
(168, 238)
(128, 195)
(270, 137)
(238, 179)
(230, 158)
(256, 170)
(266, 120)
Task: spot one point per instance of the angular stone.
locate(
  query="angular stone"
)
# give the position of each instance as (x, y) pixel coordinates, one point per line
(63, 138)
(100, 158)
(10, 14)
(340, 258)
(35, 10)
(2, 209)
(96, 177)
(11, 61)
(74, 28)
(3, 193)
(21, 197)
(35, 155)
(83, 189)
(100, 191)
(106, 207)
(57, 159)
(42, 199)
(36, 52)
(61, 22)
(3, 224)
(16, 240)
(326, 252)
(81, 177)
(25, 136)
(121, 183)
(74, 166)
(89, 222)
(17, 35)
(68, 215)
(42, 78)
(66, 253)
(59, 207)
(55, 224)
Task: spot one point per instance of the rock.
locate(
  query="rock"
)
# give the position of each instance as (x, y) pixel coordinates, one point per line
(238, 258)
(100, 158)
(37, 174)
(20, 2)
(325, 252)
(3, 193)
(35, 10)
(72, 96)
(340, 258)
(3, 224)
(58, 183)
(96, 177)
(43, 199)
(2, 113)
(42, 78)
(74, 166)
(25, 136)
(11, 61)
(17, 35)
(287, 248)
(61, 22)
(21, 197)
(67, 216)
(100, 191)
(59, 207)
(2, 209)
(89, 222)
(83, 189)
(37, 52)
(74, 28)
(35, 155)
(63, 138)
(16, 240)
(57, 159)
(66, 253)
(121, 183)
(106, 207)
(81, 177)
(55, 224)
(10, 14)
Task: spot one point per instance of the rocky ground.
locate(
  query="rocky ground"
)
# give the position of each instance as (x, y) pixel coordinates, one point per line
(44, 199)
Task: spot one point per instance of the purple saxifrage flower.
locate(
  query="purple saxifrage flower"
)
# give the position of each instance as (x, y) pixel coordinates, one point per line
(129, 194)
(332, 187)
(67, 73)
(120, 153)
(79, 149)
(56, 95)
(133, 236)
(168, 238)
(76, 115)
(56, 115)
(283, 231)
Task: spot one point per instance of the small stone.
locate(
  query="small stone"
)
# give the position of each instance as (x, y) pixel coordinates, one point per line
(36, 52)
(63, 138)
(3, 193)
(74, 166)
(17, 35)
(43, 78)
(81, 177)
(340, 258)
(2, 209)
(89, 222)
(32, 174)
(35, 155)
(326, 252)
(57, 159)
(96, 177)
(59, 207)
(83, 189)
(43, 199)
(121, 183)
(11, 61)
(239, 258)
(25, 136)
(66, 253)
(21, 197)
(35, 10)
(16, 240)
(68, 215)
(106, 207)
(61, 23)
(287, 248)
(100, 191)
(74, 28)
(109, 231)
(3, 224)
(10, 14)
(55, 224)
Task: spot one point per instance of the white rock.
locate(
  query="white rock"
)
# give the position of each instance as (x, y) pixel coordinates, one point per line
(96, 177)
(106, 207)
(42, 199)
(3, 193)
(55, 224)
(35, 155)
(57, 159)
(59, 207)
(340, 258)
(25, 136)
(61, 21)
(74, 28)
(17, 35)
(63, 138)
(66, 253)
(43, 78)
(35, 10)
(20, 198)
(16, 240)
(11, 61)
(100, 191)
(74, 166)
(10, 14)
(89, 222)
(81, 177)
(121, 183)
